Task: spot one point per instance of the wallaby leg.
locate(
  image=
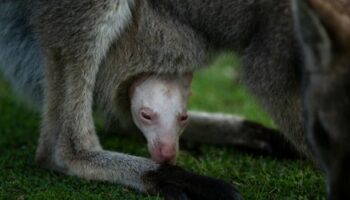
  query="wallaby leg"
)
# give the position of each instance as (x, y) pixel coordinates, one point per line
(231, 130)
(72, 65)
(271, 71)
(51, 123)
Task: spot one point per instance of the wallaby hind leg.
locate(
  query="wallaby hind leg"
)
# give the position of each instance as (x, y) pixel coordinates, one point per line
(285, 109)
(231, 130)
(51, 122)
(71, 71)
(68, 131)
(271, 66)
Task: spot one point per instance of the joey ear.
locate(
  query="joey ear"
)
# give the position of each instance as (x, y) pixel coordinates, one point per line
(313, 37)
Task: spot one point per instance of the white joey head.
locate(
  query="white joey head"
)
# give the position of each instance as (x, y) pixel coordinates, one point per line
(159, 110)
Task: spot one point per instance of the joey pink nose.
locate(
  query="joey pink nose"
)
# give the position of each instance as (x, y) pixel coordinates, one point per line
(168, 153)
(163, 153)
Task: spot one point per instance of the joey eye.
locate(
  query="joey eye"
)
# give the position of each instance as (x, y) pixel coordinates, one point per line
(146, 116)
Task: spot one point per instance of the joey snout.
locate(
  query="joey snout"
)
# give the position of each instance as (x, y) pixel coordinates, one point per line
(163, 152)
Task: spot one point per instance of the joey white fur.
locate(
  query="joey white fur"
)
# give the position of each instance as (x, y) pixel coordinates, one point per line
(159, 109)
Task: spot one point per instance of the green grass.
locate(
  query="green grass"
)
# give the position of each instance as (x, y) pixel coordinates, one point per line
(214, 89)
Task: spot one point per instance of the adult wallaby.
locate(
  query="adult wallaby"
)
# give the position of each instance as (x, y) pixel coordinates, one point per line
(104, 48)
(76, 53)
(324, 31)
